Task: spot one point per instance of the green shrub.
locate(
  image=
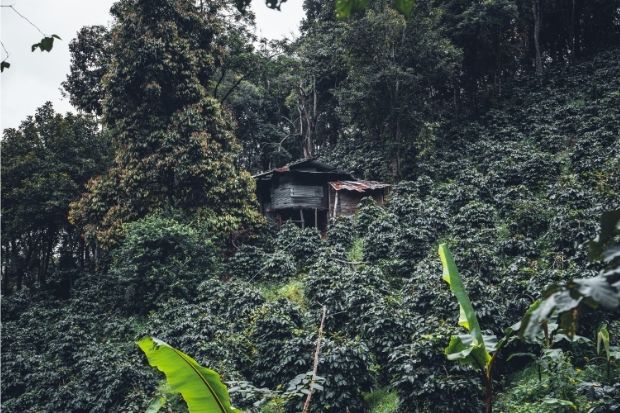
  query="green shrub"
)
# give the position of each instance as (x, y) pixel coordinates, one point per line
(339, 232)
(278, 266)
(247, 263)
(368, 213)
(272, 327)
(426, 381)
(348, 293)
(160, 258)
(302, 244)
(345, 366)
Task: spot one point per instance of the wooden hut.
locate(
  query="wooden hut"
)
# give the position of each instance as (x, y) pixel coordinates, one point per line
(309, 192)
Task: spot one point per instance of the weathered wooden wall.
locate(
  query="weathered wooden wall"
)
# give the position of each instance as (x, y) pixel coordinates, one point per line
(346, 202)
(293, 195)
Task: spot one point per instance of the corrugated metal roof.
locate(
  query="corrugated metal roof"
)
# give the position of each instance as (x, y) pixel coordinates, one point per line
(359, 186)
(300, 164)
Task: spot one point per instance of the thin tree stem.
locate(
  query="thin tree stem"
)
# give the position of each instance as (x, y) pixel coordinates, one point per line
(315, 365)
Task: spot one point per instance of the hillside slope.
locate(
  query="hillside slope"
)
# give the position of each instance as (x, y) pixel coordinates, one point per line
(515, 194)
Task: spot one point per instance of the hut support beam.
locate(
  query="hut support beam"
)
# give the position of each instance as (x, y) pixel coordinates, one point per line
(336, 205)
(316, 218)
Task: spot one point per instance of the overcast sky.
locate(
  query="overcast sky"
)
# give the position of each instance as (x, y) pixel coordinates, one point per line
(34, 78)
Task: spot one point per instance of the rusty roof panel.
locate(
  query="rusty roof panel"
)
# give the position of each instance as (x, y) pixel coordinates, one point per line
(359, 186)
(307, 165)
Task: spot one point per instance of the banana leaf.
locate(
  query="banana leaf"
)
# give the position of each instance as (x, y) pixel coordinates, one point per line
(470, 348)
(602, 338)
(201, 388)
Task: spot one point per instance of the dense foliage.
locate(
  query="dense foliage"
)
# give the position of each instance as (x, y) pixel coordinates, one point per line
(175, 147)
(509, 167)
(45, 165)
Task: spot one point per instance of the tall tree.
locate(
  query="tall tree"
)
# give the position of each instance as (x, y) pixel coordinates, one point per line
(175, 143)
(90, 57)
(45, 166)
(485, 34)
(265, 118)
(399, 71)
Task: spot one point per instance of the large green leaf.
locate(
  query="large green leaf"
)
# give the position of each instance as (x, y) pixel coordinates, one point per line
(602, 338)
(471, 345)
(467, 315)
(563, 301)
(601, 246)
(201, 388)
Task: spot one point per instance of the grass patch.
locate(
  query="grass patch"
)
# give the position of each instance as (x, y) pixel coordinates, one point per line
(382, 401)
(292, 291)
(356, 252)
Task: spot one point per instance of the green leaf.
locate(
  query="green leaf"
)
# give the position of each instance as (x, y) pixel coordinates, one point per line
(467, 316)
(464, 348)
(602, 338)
(562, 300)
(343, 9)
(528, 355)
(156, 405)
(599, 290)
(459, 348)
(201, 388)
(490, 342)
(530, 323)
(4, 65)
(46, 44)
(404, 6)
(610, 225)
(560, 402)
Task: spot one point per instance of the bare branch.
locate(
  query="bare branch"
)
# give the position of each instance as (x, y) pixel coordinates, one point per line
(6, 52)
(10, 6)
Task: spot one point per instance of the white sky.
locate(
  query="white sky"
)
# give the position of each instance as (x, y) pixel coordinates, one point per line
(35, 78)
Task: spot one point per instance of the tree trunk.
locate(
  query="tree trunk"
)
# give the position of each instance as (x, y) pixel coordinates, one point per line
(308, 118)
(18, 270)
(488, 395)
(81, 252)
(537, 22)
(47, 255)
(5, 270)
(315, 363)
(572, 31)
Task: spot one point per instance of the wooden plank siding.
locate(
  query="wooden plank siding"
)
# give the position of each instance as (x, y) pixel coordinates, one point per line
(346, 202)
(290, 195)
